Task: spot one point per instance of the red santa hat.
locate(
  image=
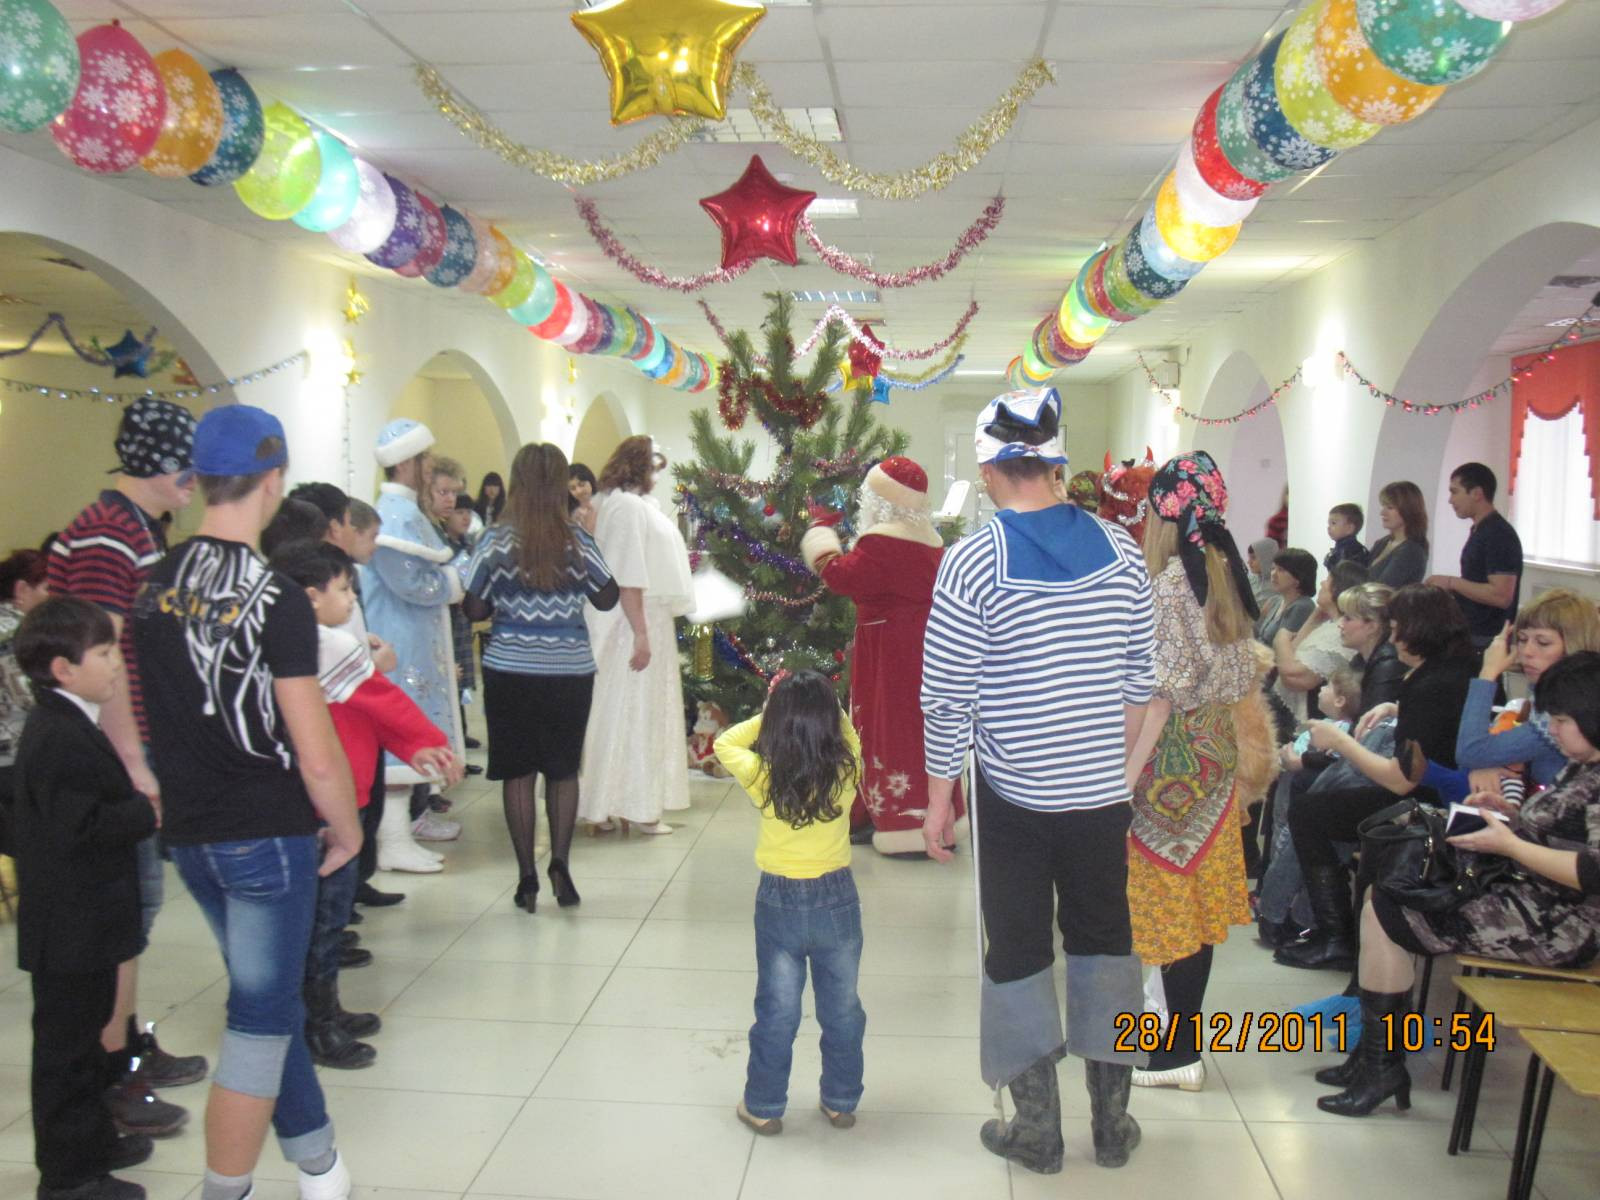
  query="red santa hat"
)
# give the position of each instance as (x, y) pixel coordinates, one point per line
(901, 482)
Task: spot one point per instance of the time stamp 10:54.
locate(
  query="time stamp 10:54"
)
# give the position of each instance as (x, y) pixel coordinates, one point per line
(1292, 1032)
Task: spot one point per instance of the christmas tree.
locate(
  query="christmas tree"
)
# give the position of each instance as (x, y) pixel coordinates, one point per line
(750, 529)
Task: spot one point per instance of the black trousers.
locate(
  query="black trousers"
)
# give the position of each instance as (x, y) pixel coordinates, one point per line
(1070, 865)
(1317, 822)
(73, 1136)
(371, 815)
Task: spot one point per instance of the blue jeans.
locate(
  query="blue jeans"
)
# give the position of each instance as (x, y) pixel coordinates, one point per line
(801, 920)
(259, 897)
(152, 886)
(336, 895)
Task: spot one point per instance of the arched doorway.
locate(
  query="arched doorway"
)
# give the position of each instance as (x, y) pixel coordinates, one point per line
(454, 397)
(56, 445)
(1252, 453)
(603, 427)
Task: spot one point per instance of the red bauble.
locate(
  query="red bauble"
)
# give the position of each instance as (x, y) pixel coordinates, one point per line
(768, 510)
(757, 216)
(838, 656)
(1214, 166)
(864, 361)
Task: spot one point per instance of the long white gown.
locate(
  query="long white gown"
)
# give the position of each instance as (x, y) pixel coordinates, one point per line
(633, 755)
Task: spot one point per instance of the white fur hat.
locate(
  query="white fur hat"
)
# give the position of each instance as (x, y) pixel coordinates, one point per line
(402, 439)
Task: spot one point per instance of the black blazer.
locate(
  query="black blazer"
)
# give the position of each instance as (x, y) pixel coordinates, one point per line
(76, 821)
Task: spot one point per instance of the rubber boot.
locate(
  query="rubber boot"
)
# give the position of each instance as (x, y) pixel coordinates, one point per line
(1115, 1132)
(1032, 1138)
(330, 1045)
(1380, 1072)
(397, 850)
(1332, 947)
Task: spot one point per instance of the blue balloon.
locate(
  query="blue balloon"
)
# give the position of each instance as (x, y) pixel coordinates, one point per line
(1270, 129)
(658, 355)
(880, 390)
(243, 129)
(1161, 257)
(337, 191)
(668, 360)
(460, 252)
(1149, 281)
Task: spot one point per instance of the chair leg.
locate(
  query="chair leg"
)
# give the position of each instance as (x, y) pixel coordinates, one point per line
(1450, 1055)
(1471, 1086)
(1466, 1106)
(1519, 1150)
(1530, 1160)
(1425, 985)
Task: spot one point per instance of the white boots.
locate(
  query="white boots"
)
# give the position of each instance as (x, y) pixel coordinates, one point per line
(397, 851)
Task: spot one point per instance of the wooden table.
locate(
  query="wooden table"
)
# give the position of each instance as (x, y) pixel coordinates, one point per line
(1575, 1059)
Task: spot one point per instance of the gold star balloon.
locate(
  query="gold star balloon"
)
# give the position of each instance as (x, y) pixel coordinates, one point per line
(672, 57)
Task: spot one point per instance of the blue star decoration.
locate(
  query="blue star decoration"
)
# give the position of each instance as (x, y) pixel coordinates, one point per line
(130, 356)
(880, 389)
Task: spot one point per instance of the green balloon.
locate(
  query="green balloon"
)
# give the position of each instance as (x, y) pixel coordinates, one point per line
(285, 175)
(1430, 41)
(1233, 133)
(38, 64)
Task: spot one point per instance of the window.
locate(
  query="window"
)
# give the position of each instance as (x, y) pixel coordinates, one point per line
(1552, 507)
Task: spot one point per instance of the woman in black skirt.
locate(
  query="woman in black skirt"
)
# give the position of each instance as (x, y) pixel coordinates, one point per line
(533, 572)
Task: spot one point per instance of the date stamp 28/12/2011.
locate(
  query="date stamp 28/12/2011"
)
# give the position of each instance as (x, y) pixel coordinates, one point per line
(1292, 1032)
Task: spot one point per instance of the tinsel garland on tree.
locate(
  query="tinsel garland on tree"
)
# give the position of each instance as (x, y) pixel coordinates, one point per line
(750, 529)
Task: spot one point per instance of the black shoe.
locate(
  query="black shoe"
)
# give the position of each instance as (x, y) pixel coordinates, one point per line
(348, 938)
(373, 898)
(473, 769)
(471, 743)
(131, 1150)
(136, 1109)
(1379, 1071)
(861, 835)
(527, 893)
(438, 803)
(1032, 1138)
(1115, 1132)
(330, 1044)
(1341, 1076)
(356, 918)
(157, 1068)
(351, 957)
(561, 884)
(107, 1187)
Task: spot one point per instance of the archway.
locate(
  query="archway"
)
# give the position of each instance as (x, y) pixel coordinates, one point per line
(1252, 453)
(56, 448)
(604, 425)
(454, 397)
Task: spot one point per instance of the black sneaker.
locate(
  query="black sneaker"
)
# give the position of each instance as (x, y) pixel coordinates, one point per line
(136, 1109)
(355, 918)
(472, 743)
(371, 897)
(131, 1150)
(348, 938)
(107, 1187)
(158, 1069)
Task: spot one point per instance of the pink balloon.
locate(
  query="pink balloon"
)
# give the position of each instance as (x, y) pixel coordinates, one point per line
(578, 324)
(1509, 10)
(434, 235)
(488, 261)
(115, 117)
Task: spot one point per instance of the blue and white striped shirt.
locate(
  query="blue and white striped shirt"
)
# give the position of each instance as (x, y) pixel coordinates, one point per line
(1042, 629)
(534, 632)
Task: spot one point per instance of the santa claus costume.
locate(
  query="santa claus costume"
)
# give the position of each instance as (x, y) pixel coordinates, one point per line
(889, 573)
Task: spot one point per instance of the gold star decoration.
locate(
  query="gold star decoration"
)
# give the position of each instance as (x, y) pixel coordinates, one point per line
(352, 377)
(668, 57)
(356, 305)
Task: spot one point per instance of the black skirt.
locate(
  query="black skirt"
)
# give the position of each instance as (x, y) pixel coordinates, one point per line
(536, 723)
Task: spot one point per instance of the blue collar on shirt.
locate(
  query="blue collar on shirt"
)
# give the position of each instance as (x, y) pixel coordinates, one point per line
(1056, 545)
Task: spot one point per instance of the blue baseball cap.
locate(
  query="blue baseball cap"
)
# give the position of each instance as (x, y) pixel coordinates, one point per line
(227, 439)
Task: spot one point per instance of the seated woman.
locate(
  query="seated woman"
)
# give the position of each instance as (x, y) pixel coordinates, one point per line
(1307, 659)
(1547, 915)
(1557, 624)
(1294, 579)
(1431, 637)
(1364, 627)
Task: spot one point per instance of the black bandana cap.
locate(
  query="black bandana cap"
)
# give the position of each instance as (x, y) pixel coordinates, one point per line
(156, 437)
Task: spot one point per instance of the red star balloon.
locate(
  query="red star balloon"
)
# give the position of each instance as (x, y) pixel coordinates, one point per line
(757, 217)
(864, 361)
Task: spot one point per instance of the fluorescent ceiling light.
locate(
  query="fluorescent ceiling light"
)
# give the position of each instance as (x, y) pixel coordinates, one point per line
(836, 298)
(741, 126)
(832, 206)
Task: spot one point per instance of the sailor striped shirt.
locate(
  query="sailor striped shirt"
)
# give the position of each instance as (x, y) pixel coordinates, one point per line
(1041, 631)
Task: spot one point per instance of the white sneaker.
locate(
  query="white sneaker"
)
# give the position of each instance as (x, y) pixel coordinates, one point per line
(408, 856)
(431, 827)
(1188, 1079)
(333, 1184)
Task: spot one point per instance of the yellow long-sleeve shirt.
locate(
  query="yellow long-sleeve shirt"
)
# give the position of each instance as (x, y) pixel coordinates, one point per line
(806, 853)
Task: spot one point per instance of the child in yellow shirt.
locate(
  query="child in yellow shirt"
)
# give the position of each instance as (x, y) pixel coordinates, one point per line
(799, 761)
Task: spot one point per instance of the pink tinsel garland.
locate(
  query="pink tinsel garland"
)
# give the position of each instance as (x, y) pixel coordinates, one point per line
(857, 334)
(612, 247)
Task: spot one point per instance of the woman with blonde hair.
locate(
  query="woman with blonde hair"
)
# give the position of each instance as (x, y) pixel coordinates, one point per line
(1400, 556)
(634, 765)
(1186, 875)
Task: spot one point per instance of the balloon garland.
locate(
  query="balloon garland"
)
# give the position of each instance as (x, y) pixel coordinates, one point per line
(1341, 72)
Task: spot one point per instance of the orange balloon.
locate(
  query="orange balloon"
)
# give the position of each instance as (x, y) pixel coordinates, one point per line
(506, 266)
(679, 369)
(193, 124)
(1361, 84)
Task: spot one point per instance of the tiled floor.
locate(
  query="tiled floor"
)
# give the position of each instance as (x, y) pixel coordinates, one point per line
(598, 1052)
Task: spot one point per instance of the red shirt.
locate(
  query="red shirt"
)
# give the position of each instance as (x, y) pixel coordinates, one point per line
(377, 716)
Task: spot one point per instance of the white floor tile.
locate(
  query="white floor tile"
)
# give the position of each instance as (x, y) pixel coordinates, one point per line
(492, 991)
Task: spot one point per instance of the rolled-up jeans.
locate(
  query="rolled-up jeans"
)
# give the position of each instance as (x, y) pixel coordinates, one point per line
(259, 897)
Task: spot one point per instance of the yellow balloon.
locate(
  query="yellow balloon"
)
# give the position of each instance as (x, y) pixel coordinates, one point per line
(1189, 239)
(286, 172)
(668, 57)
(1361, 84)
(521, 285)
(506, 262)
(679, 369)
(1034, 371)
(1306, 102)
(193, 125)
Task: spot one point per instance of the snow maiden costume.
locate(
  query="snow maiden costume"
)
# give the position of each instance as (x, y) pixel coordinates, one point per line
(406, 593)
(889, 574)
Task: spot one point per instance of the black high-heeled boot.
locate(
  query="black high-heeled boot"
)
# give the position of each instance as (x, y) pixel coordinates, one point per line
(1332, 947)
(1380, 1072)
(561, 884)
(527, 893)
(1032, 1138)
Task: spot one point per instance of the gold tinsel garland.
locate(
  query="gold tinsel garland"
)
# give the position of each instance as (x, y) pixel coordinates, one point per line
(974, 143)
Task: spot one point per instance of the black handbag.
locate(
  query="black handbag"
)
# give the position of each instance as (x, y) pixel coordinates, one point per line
(1404, 854)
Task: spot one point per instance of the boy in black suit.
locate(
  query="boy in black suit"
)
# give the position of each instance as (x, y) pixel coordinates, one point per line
(78, 821)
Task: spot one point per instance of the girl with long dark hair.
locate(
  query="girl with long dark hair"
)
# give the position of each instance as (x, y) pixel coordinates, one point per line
(532, 571)
(799, 761)
(491, 499)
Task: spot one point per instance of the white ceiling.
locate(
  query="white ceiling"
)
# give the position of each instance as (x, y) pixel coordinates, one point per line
(905, 79)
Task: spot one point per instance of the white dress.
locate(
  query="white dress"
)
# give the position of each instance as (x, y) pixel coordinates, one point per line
(633, 754)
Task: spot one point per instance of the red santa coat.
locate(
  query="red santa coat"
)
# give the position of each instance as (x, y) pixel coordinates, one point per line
(889, 573)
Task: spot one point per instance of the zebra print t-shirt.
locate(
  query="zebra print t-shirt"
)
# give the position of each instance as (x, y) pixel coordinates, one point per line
(215, 628)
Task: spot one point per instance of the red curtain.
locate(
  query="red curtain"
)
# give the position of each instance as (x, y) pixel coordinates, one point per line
(1551, 391)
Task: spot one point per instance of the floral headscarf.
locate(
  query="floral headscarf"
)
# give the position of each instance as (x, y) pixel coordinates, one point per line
(1189, 491)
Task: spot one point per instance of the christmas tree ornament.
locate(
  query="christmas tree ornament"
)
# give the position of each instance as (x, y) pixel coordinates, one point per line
(865, 358)
(668, 57)
(38, 72)
(193, 125)
(758, 217)
(131, 356)
(116, 114)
